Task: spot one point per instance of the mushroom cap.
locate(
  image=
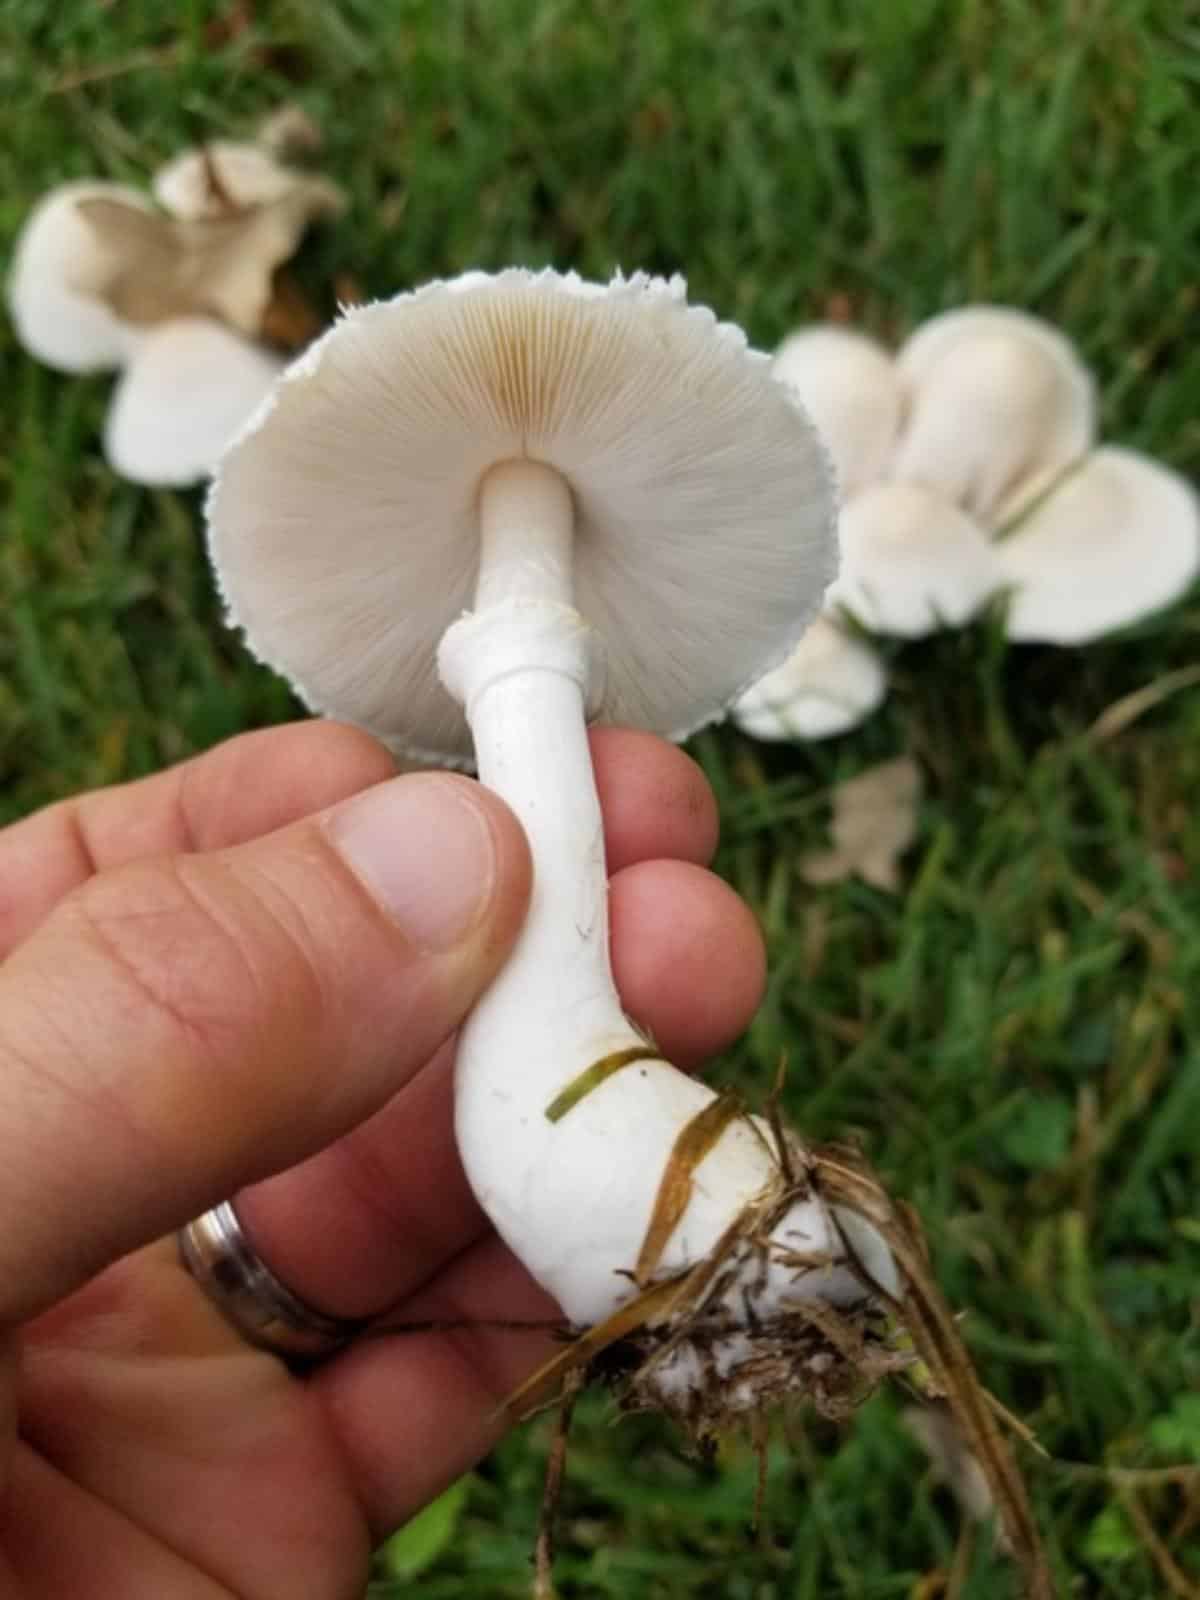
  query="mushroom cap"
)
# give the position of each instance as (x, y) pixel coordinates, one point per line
(995, 396)
(1117, 539)
(344, 526)
(911, 561)
(829, 684)
(249, 174)
(59, 265)
(186, 394)
(850, 387)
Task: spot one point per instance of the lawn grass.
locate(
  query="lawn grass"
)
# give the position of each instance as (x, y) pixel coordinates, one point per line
(1014, 1039)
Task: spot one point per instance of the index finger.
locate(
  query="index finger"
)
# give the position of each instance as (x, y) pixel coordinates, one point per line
(655, 799)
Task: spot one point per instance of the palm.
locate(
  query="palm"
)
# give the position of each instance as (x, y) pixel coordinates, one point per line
(160, 1451)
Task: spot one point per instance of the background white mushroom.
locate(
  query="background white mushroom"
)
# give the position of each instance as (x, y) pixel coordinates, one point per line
(995, 397)
(641, 519)
(991, 484)
(226, 175)
(1117, 539)
(101, 280)
(850, 387)
(830, 683)
(911, 561)
(61, 267)
(183, 398)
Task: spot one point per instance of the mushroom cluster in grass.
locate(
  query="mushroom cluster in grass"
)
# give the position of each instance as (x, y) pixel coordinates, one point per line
(182, 301)
(969, 472)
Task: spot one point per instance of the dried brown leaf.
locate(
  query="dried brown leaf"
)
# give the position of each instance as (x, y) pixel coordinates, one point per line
(874, 822)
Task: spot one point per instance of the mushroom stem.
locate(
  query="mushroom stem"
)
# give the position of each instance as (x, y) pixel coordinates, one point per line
(526, 528)
(521, 663)
(567, 1158)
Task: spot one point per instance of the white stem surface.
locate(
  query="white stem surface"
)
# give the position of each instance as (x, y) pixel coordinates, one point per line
(526, 536)
(573, 1197)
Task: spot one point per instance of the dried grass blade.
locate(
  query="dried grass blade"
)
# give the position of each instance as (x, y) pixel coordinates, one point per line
(536, 1390)
(844, 1180)
(695, 1140)
(556, 1463)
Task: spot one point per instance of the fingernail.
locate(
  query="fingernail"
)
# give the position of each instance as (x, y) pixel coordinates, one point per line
(424, 850)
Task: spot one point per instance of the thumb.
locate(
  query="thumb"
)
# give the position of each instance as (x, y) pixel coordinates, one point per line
(184, 1026)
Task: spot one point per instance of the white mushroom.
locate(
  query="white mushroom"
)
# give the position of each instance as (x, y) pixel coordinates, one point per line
(216, 178)
(995, 397)
(530, 444)
(61, 266)
(1117, 539)
(829, 684)
(850, 387)
(187, 393)
(911, 561)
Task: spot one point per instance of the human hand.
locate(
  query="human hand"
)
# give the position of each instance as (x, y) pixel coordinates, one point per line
(198, 997)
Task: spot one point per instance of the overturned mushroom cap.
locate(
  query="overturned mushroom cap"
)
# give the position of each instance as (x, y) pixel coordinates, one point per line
(829, 684)
(61, 264)
(185, 395)
(162, 268)
(995, 398)
(911, 562)
(344, 524)
(1117, 539)
(850, 387)
(210, 181)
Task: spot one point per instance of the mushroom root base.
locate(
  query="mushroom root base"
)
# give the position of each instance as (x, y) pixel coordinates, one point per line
(697, 1346)
(724, 1341)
